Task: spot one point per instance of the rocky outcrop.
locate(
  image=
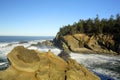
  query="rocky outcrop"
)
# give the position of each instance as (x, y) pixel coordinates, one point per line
(46, 43)
(34, 65)
(64, 55)
(83, 43)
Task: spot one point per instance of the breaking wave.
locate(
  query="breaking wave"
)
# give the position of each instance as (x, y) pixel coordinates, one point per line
(106, 67)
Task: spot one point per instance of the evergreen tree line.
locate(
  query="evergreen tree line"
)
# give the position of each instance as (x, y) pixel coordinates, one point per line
(94, 26)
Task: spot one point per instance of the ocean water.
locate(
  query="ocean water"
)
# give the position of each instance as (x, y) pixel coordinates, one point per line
(23, 38)
(106, 67)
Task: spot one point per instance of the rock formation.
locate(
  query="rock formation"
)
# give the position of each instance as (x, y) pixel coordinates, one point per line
(46, 43)
(83, 43)
(64, 55)
(34, 65)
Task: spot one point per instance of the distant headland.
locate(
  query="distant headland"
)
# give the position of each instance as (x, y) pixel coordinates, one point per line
(91, 36)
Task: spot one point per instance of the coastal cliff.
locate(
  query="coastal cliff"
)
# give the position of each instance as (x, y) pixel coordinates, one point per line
(91, 36)
(34, 65)
(83, 43)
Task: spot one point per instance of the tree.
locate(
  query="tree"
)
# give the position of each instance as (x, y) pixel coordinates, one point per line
(94, 26)
(80, 26)
(88, 26)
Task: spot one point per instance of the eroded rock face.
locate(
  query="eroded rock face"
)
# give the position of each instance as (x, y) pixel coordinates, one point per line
(34, 65)
(24, 59)
(83, 43)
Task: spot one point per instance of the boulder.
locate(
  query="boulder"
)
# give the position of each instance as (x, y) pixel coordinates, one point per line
(34, 65)
(46, 43)
(39, 44)
(64, 55)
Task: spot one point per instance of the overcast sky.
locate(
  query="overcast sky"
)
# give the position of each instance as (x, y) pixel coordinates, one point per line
(45, 17)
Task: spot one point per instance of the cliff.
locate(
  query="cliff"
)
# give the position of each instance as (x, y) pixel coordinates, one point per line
(83, 43)
(92, 35)
(34, 65)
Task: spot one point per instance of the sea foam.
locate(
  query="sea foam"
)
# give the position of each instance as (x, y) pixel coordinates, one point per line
(103, 65)
(107, 67)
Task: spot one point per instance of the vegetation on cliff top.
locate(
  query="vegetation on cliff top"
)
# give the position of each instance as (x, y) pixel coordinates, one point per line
(94, 26)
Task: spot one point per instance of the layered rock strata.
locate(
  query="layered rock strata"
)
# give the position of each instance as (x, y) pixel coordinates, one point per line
(82, 43)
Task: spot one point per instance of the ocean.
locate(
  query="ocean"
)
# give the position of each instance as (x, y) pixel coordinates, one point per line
(105, 66)
(23, 38)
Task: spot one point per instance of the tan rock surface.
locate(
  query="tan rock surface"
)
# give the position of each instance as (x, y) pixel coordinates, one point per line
(34, 65)
(24, 59)
(71, 42)
(92, 43)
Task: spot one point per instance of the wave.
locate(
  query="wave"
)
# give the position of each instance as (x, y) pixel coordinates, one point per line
(106, 67)
(6, 47)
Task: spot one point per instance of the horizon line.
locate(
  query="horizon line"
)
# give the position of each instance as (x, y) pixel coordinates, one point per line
(30, 35)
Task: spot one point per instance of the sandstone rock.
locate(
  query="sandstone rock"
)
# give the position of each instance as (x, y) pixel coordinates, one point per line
(71, 42)
(78, 72)
(46, 43)
(93, 44)
(81, 37)
(24, 59)
(65, 46)
(64, 55)
(39, 44)
(34, 65)
(100, 43)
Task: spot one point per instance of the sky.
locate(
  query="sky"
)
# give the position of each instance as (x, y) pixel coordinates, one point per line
(46, 17)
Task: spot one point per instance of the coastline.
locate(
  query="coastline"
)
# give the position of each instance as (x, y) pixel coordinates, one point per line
(82, 57)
